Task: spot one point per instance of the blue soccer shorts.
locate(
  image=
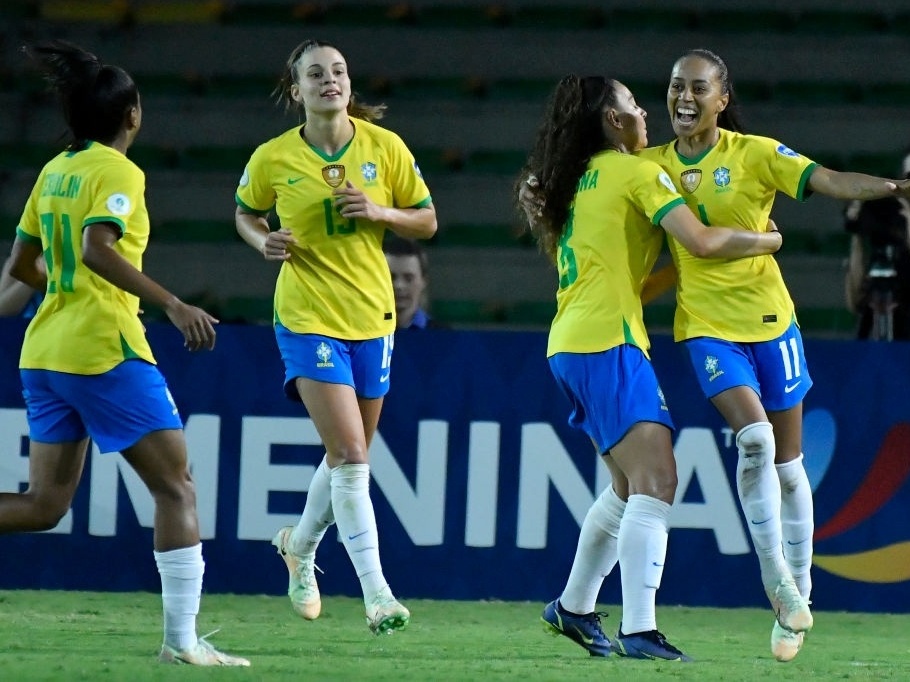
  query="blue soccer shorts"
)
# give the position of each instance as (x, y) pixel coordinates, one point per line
(776, 370)
(610, 392)
(116, 409)
(363, 365)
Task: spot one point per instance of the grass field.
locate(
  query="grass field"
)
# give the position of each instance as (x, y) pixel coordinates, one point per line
(115, 636)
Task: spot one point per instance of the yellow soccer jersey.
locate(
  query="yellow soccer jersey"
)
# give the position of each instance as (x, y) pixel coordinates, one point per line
(608, 247)
(337, 281)
(85, 325)
(733, 183)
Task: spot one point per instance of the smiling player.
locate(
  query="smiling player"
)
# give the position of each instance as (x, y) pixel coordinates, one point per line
(336, 183)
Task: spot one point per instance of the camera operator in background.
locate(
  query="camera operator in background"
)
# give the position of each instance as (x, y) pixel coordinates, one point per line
(878, 267)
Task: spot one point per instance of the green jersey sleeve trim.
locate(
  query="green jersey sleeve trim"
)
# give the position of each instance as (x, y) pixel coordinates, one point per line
(106, 219)
(666, 209)
(26, 237)
(423, 204)
(802, 191)
(250, 208)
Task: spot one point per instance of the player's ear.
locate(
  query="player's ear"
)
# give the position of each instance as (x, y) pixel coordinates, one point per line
(612, 118)
(722, 102)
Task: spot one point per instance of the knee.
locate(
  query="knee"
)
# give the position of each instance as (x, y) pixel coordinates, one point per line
(755, 442)
(176, 490)
(658, 481)
(348, 453)
(46, 514)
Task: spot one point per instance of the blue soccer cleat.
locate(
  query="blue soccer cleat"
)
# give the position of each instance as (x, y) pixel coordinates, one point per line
(651, 645)
(583, 630)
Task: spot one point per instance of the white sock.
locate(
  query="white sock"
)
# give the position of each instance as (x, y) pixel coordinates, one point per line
(317, 514)
(759, 495)
(357, 526)
(642, 553)
(181, 591)
(796, 514)
(596, 554)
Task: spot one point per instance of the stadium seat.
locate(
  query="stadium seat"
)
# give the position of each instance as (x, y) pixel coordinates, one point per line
(195, 231)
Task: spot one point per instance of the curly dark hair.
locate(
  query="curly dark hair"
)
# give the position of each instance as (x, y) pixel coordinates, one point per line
(570, 133)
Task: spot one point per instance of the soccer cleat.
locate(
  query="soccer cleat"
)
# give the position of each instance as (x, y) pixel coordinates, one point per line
(583, 630)
(201, 654)
(791, 609)
(302, 587)
(785, 644)
(385, 615)
(651, 645)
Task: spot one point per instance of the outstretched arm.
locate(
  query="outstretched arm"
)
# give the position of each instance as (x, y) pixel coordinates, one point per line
(855, 185)
(718, 242)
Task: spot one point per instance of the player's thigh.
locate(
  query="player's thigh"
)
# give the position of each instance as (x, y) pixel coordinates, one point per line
(54, 471)
(335, 411)
(788, 433)
(160, 460)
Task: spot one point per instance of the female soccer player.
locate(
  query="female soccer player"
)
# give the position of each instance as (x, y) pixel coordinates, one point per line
(598, 209)
(87, 369)
(337, 182)
(738, 323)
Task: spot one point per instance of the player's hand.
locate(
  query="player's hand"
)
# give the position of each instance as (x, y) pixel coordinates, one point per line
(900, 188)
(196, 325)
(529, 200)
(277, 243)
(353, 203)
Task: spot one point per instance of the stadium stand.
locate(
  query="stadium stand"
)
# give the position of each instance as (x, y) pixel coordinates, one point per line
(465, 83)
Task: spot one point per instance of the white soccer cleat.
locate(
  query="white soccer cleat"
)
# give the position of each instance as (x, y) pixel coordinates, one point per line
(302, 588)
(386, 614)
(201, 654)
(791, 609)
(785, 644)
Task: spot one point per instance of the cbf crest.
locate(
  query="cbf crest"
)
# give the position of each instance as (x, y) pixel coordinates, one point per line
(324, 355)
(333, 174)
(690, 179)
(368, 171)
(712, 367)
(721, 176)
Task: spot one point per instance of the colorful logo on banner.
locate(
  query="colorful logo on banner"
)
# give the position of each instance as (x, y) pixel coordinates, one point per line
(887, 473)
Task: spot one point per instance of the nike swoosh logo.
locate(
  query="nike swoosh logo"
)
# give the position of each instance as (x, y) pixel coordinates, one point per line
(586, 640)
(790, 542)
(384, 378)
(294, 181)
(758, 523)
(654, 563)
(789, 389)
(357, 535)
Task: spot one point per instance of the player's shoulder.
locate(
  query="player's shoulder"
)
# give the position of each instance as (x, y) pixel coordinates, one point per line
(380, 136)
(657, 152)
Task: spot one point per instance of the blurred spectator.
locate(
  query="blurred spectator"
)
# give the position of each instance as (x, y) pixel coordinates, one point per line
(408, 265)
(878, 267)
(17, 298)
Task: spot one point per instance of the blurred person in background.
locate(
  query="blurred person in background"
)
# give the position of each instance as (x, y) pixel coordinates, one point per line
(409, 268)
(877, 283)
(337, 183)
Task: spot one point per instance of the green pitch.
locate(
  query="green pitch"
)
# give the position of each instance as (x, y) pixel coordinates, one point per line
(101, 636)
